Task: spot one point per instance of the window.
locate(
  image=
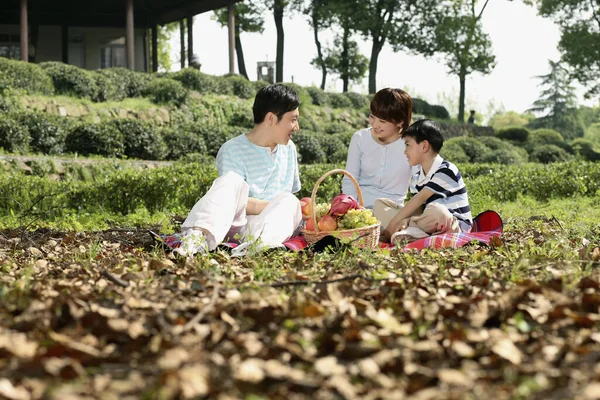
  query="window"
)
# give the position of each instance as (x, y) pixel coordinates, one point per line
(10, 46)
(112, 54)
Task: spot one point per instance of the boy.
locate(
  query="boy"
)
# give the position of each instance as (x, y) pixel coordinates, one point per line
(441, 204)
(258, 172)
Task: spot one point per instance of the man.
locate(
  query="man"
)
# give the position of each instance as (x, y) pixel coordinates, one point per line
(252, 198)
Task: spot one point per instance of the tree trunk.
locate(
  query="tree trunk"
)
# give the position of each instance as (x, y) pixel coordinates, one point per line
(239, 52)
(345, 62)
(315, 24)
(375, 50)
(278, 6)
(461, 96)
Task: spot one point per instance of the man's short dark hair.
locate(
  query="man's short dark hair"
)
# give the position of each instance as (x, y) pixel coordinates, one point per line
(278, 99)
(426, 129)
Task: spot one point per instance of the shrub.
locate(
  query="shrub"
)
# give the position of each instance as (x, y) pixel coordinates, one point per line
(24, 76)
(339, 100)
(242, 87)
(196, 80)
(493, 143)
(305, 98)
(107, 90)
(130, 83)
(515, 134)
(480, 131)
(502, 156)
(454, 153)
(14, 137)
(438, 111)
(345, 137)
(421, 107)
(319, 97)
(214, 135)
(357, 100)
(223, 86)
(546, 136)
(334, 148)
(47, 132)
(259, 85)
(91, 138)
(549, 153)
(309, 148)
(472, 147)
(180, 142)
(165, 91)
(585, 149)
(141, 139)
(70, 80)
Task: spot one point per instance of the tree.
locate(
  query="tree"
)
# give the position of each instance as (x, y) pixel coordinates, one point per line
(510, 119)
(165, 32)
(248, 18)
(579, 21)
(407, 25)
(320, 16)
(278, 9)
(557, 103)
(466, 48)
(345, 61)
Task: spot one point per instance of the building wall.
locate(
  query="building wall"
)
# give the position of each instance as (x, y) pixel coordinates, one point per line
(93, 39)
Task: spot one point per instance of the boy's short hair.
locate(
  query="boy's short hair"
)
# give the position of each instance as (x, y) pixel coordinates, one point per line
(392, 105)
(426, 129)
(278, 99)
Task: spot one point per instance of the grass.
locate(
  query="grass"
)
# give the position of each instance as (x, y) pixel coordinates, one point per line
(448, 323)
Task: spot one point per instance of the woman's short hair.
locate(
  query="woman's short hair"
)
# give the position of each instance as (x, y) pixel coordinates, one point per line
(392, 105)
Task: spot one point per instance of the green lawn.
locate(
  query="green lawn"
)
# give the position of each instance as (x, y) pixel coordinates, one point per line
(107, 315)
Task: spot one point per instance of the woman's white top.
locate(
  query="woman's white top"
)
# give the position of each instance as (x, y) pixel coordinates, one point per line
(381, 170)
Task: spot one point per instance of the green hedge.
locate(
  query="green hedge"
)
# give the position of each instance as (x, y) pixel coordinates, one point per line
(69, 80)
(24, 76)
(178, 187)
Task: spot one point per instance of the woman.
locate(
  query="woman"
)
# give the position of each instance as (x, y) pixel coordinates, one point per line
(376, 155)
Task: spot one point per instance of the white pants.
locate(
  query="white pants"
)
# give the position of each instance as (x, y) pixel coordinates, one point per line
(221, 212)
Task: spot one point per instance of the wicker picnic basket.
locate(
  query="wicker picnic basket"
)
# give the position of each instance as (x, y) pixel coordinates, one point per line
(366, 237)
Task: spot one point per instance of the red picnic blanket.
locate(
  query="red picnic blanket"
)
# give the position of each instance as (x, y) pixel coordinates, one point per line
(486, 226)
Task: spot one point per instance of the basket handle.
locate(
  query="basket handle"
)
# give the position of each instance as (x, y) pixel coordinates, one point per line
(313, 197)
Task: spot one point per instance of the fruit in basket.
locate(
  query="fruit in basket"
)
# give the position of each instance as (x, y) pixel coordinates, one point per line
(357, 218)
(341, 204)
(327, 223)
(305, 207)
(310, 225)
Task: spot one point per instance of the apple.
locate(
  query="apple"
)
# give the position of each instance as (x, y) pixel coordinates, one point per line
(305, 205)
(327, 223)
(310, 225)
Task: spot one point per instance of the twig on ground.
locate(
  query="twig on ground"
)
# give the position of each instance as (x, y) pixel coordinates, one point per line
(324, 282)
(205, 310)
(558, 222)
(114, 279)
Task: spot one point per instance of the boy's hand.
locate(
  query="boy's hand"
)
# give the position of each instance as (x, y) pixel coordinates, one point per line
(386, 235)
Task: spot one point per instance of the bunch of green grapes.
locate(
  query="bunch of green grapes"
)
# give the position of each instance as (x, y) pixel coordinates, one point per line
(357, 219)
(322, 209)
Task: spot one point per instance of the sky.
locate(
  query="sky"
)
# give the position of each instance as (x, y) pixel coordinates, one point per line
(522, 41)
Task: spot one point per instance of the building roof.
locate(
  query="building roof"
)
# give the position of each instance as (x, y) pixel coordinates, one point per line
(105, 13)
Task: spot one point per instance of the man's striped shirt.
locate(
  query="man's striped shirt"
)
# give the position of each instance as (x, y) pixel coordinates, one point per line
(445, 181)
(268, 173)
